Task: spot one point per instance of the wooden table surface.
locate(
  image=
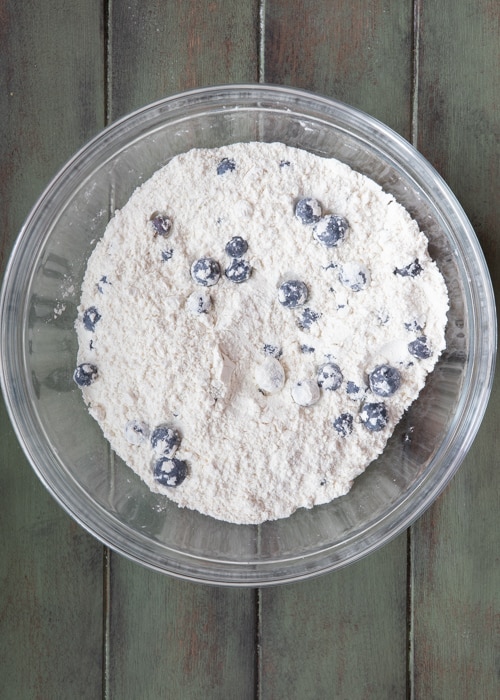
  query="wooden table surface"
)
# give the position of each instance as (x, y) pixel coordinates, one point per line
(420, 618)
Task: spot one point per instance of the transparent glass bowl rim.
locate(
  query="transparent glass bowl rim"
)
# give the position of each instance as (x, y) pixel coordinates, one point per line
(115, 137)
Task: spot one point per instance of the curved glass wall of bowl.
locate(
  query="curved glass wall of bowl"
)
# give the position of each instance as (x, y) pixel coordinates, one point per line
(38, 344)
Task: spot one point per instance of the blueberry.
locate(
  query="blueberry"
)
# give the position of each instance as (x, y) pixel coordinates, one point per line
(307, 318)
(343, 424)
(272, 350)
(165, 441)
(90, 317)
(238, 271)
(354, 391)
(162, 224)
(306, 392)
(136, 432)
(205, 271)
(374, 416)
(85, 374)
(284, 163)
(292, 293)
(414, 326)
(307, 349)
(384, 380)
(419, 348)
(354, 276)
(199, 302)
(226, 165)
(236, 247)
(101, 285)
(170, 472)
(308, 210)
(330, 230)
(270, 375)
(167, 254)
(329, 376)
(411, 270)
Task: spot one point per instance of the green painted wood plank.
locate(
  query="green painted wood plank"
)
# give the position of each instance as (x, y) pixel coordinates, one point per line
(50, 569)
(161, 48)
(455, 546)
(175, 639)
(343, 635)
(358, 52)
(170, 638)
(340, 636)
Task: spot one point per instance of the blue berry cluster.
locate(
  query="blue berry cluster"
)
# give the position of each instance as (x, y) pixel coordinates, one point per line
(207, 271)
(161, 225)
(328, 229)
(168, 470)
(239, 269)
(86, 373)
(164, 441)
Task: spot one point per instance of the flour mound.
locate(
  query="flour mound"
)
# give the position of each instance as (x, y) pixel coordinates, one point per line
(248, 360)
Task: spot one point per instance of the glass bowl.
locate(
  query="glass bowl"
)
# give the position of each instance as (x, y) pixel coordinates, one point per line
(38, 344)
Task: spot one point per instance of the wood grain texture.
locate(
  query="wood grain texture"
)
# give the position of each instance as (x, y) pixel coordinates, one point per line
(340, 636)
(174, 639)
(50, 569)
(169, 638)
(359, 52)
(159, 48)
(455, 546)
(344, 635)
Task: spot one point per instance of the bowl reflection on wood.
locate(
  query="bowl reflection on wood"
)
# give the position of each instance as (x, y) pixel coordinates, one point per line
(38, 344)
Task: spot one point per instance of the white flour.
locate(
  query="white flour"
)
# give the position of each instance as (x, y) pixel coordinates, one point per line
(227, 367)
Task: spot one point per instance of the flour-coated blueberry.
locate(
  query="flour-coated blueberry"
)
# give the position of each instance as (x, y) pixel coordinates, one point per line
(305, 392)
(102, 284)
(414, 325)
(292, 294)
(90, 317)
(270, 375)
(165, 440)
(170, 472)
(413, 269)
(238, 271)
(272, 350)
(343, 424)
(85, 374)
(167, 254)
(308, 210)
(199, 302)
(384, 380)
(236, 247)
(307, 318)
(354, 276)
(354, 391)
(136, 432)
(330, 230)
(226, 165)
(374, 416)
(205, 271)
(420, 348)
(162, 224)
(329, 376)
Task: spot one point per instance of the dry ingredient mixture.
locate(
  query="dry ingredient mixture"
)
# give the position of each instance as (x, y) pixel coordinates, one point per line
(253, 324)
